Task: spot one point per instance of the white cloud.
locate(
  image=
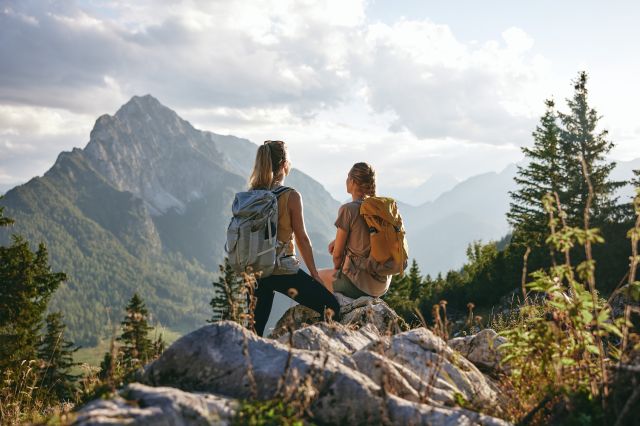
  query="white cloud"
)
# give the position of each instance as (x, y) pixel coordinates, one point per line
(317, 73)
(28, 120)
(439, 87)
(32, 137)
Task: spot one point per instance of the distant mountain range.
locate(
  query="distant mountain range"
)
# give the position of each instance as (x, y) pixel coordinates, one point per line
(429, 190)
(439, 231)
(145, 205)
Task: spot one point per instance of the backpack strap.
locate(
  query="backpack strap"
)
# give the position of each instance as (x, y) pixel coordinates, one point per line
(347, 251)
(281, 190)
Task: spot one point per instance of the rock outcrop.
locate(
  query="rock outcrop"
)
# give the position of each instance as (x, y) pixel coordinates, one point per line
(364, 370)
(138, 404)
(621, 298)
(348, 376)
(355, 313)
(481, 349)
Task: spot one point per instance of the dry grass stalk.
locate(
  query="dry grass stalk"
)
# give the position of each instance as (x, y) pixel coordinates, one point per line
(524, 274)
(591, 279)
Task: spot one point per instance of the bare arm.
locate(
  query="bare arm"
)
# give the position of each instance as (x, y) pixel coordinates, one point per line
(339, 245)
(300, 233)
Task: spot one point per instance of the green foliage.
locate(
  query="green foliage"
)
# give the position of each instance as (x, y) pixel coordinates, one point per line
(57, 353)
(35, 373)
(580, 137)
(229, 297)
(635, 181)
(26, 287)
(137, 348)
(103, 270)
(562, 351)
(491, 277)
(559, 350)
(541, 175)
(405, 292)
(268, 413)
(483, 280)
(4, 221)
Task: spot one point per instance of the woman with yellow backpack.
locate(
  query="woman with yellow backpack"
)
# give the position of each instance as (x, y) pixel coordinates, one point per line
(370, 244)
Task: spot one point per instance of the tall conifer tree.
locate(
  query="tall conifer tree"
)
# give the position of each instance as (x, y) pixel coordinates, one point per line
(415, 282)
(635, 181)
(228, 301)
(404, 292)
(542, 174)
(26, 285)
(579, 137)
(57, 354)
(137, 347)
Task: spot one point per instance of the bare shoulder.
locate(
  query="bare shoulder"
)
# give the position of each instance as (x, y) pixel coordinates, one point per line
(295, 196)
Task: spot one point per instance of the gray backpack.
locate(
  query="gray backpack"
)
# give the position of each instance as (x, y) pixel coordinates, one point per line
(252, 234)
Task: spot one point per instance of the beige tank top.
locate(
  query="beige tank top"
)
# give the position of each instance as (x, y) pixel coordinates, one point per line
(285, 230)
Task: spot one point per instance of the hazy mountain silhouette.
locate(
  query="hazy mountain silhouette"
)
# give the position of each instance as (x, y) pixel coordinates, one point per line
(429, 190)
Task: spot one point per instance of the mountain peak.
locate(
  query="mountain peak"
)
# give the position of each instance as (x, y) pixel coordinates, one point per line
(145, 105)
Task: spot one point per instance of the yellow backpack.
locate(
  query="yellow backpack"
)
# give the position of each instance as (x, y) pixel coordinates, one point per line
(387, 233)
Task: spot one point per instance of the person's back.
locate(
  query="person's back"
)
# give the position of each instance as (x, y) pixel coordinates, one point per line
(356, 267)
(270, 169)
(354, 274)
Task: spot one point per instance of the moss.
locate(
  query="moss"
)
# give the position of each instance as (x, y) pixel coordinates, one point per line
(268, 413)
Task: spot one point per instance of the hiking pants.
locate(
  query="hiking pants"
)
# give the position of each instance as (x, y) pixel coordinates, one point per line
(306, 291)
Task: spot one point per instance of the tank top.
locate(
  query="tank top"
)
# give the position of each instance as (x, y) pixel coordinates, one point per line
(285, 229)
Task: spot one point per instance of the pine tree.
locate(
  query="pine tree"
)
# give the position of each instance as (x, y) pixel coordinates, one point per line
(137, 348)
(57, 353)
(26, 285)
(228, 297)
(404, 293)
(398, 290)
(159, 346)
(107, 366)
(541, 175)
(415, 282)
(635, 181)
(579, 138)
(4, 221)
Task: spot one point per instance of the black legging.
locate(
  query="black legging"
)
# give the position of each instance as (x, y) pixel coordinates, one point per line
(308, 292)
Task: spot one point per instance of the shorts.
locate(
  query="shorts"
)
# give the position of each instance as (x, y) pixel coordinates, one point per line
(342, 284)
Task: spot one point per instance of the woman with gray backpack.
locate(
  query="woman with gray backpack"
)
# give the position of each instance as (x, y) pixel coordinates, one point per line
(260, 239)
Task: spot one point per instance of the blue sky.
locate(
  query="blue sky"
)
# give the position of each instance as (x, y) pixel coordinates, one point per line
(414, 87)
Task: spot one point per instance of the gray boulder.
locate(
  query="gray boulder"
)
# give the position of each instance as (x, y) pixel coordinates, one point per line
(620, 299)
(412, 375)
(355, 313)
(481, 349)
(333, 337)
(435, 371)
(142, 405)
(342, 375)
